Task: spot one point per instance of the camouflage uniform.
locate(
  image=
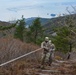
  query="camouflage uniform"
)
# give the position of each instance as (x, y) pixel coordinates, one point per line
(46, 46)
(52, 50)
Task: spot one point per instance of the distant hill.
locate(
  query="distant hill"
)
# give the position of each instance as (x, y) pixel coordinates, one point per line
(3, 23)
(46, 22)
(43, 21)
(29, 21)
(49, 23)
(57, 22)
(4, 31)
(54, 23)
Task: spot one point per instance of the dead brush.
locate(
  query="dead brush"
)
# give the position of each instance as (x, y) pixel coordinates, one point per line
(13, 48)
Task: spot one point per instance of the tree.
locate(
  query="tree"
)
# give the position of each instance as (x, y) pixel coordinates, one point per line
(66, 34)
(20, 27)
(61, 40)
(35, 31)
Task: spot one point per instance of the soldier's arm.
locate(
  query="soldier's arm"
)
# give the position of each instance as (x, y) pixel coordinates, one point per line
(42, 46)
(53, 47)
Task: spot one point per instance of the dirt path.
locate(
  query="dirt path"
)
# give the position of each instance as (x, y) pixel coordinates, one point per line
(33, 68)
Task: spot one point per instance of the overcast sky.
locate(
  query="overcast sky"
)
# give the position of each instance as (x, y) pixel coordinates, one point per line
(14, 9)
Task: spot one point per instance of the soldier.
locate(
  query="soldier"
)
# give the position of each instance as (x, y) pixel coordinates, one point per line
(46, 46)
(51, 51)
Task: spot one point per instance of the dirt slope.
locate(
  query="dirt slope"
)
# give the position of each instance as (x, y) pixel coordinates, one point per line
(32, 67)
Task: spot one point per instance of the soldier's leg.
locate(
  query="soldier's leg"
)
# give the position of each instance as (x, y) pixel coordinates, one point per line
(43, 60)
(53, 56)
(50, 59)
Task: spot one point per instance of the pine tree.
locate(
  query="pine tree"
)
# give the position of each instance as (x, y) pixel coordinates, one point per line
(20, 27)
(61, 40)
(35, 32)
(66, 35)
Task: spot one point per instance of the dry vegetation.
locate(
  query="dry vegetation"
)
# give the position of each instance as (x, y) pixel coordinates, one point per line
(23, 67)
(11, 48)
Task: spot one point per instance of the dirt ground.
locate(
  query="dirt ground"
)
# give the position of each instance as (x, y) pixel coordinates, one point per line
(34, 68)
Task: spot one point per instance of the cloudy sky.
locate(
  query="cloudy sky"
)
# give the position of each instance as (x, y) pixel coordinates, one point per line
(14, 9)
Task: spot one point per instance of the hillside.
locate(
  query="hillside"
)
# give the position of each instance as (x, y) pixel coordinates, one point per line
(47, 23)
(32, 68)
(27, 66)
(6, 29)
(58, 22)
(30, 65)
(11, 48)
(43, 21)
(50, 23)
(3, 23)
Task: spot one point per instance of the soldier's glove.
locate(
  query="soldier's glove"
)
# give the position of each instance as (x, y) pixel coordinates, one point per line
(51, 50)
(46, 50)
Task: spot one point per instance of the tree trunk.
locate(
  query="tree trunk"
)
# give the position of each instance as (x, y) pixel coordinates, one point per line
(70, 50)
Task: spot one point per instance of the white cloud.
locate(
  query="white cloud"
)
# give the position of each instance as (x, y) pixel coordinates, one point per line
(15, 8)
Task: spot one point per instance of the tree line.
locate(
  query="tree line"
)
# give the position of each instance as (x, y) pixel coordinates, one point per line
(35, 33)
(64, 40)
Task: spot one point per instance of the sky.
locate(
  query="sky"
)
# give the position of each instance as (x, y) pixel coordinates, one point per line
(14, 9)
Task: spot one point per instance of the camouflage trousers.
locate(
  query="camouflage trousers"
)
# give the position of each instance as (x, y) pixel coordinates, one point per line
(47, 57)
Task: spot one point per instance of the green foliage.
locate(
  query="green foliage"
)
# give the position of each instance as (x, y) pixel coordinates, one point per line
(69, 21)
(7, 27)
(64, 31)
(35, 32)
(19, 33)
(61, 40)
(66, 35)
